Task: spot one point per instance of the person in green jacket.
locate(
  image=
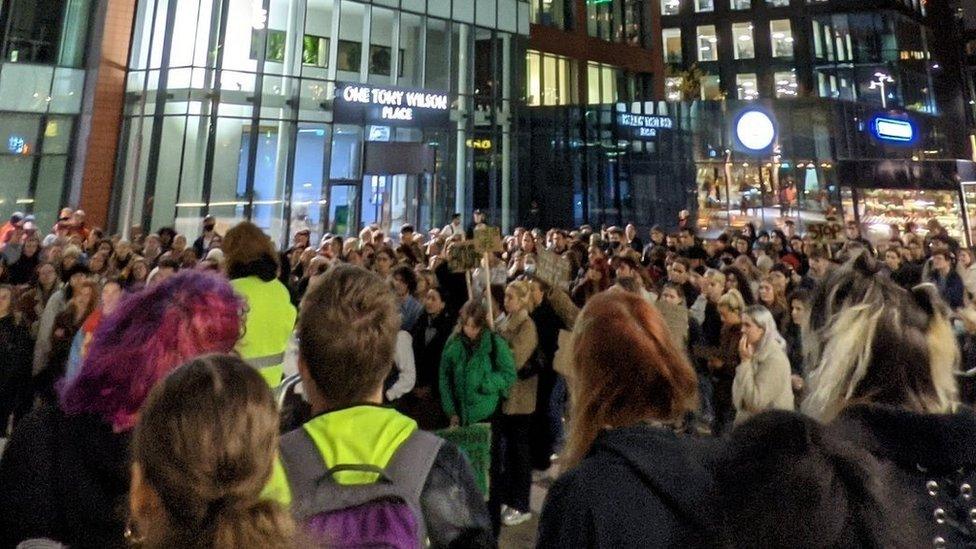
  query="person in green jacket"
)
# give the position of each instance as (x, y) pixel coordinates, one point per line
(477, 369)
(477, 372)
(252, 267)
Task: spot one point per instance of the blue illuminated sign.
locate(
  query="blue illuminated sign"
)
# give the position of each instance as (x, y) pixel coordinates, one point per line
(893, 129)
(16, 144)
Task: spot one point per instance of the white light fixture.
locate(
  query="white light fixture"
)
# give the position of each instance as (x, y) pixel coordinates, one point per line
(755, 130)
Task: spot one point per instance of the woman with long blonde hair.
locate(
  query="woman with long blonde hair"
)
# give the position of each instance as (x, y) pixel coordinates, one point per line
(630, 394)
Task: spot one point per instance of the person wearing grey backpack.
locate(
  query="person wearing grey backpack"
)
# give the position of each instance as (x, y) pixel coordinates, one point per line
(358, 474)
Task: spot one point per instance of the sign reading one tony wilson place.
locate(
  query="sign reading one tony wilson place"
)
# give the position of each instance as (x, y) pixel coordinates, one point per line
(389, 106)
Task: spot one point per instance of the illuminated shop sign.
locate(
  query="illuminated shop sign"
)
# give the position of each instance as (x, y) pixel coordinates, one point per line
(754, 131)
(893, 130)
(479, 144)
(643, 125)
(365, 104)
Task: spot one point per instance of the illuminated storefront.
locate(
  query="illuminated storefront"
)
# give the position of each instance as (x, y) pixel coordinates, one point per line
(320, 114)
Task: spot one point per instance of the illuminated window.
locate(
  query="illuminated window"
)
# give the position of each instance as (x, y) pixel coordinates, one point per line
(747, 86)
(743, 46)
(781, 34)
(672, 45)
(707, 43)
(786, 86)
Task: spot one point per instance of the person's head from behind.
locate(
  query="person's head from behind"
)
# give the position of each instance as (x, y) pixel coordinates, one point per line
(787, 481)
(348, 329)
(872, 341)
(189, 315)
(637, 375)
(249, 252)
(203, 452)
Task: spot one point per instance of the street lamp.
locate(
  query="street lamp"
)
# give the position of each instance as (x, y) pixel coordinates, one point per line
(882, 81)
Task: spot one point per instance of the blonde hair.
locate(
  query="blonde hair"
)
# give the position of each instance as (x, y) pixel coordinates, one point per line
(522, 292)
(733, 301)
(872, 341)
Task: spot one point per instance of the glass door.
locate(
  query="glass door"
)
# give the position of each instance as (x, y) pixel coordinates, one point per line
(343, 211)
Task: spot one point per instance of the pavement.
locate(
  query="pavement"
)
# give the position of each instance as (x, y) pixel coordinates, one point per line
(523, 536)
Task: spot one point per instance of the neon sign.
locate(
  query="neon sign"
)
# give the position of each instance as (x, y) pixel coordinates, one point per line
(893, 129)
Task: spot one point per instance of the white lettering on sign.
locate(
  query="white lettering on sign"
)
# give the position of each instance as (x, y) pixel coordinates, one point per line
(397, 113)
(395, 98)
(427, 100)
(356, 94)
(646, 132)
(644, 121)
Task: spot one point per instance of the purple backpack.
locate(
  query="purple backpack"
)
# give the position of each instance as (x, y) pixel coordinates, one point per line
(384, 514)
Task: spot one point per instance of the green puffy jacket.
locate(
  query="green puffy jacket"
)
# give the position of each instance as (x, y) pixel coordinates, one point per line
(471, 386)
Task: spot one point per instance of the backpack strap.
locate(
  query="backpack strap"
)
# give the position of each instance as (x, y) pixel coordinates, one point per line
(412, 462)
(303, 463)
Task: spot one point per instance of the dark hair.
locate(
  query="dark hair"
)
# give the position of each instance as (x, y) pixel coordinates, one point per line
(348, 329)
(206, 444)
(408, 277)
(801, 295)
(406, 229)
(167, 230)
(742, 283)
(786, 469)
(168, 263)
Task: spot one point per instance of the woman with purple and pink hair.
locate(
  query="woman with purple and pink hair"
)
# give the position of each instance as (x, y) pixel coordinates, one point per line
(65, 471)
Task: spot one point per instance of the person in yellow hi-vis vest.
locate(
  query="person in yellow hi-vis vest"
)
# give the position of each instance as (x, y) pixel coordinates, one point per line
(252, 266)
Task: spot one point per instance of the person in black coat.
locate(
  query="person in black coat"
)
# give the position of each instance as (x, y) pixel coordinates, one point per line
(430, 334)
(947, 280)
(16, 350)
(902, 406)
(788, 481)
(64, 478)
(632, 479)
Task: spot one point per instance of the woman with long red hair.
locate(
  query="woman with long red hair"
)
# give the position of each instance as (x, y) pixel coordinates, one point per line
(632, 478)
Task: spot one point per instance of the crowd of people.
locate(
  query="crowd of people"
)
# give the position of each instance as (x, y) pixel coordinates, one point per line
(752, 388)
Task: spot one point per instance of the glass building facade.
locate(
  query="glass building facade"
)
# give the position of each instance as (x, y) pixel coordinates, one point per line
(42, 82)
(833, 49)
(588, 165)
(231, 111)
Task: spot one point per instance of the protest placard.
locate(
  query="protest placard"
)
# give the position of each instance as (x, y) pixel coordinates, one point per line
(463, 256)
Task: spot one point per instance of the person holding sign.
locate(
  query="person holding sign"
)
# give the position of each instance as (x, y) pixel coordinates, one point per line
(519, 331)
(477, 373)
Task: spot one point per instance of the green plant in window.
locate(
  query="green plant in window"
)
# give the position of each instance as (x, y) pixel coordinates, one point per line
(276, 46)
(310, 50)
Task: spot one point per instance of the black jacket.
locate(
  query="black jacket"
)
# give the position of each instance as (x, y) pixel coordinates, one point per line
(16, 352)
(639, 486)
(427, 354)
(930, 457)
(64, 478)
